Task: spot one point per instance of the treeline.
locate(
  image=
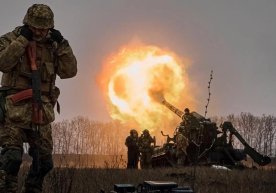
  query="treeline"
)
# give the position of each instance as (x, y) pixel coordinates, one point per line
(84, 136)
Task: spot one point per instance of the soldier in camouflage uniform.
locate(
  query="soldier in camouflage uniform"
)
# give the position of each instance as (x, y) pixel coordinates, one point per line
(181, 146)
(146, 149)
(191, 125)
(187, 119)
(54, 56)
(132, 150)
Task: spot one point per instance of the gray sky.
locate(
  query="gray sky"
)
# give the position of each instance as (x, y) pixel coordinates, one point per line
(236, 39)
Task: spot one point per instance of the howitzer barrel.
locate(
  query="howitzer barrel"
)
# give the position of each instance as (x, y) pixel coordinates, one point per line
(173, 108)
(257, 157)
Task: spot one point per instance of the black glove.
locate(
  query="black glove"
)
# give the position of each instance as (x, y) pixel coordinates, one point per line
(56, 35)
(26, 32)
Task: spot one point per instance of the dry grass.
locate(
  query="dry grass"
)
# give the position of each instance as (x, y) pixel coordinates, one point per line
(207, 180)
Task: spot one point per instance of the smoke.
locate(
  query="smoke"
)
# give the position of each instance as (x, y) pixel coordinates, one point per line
(137, 79)
(157, 95)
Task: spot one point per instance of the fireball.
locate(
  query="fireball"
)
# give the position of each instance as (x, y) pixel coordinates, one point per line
(131, 78)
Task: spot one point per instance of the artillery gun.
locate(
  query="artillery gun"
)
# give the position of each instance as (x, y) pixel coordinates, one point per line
(207, 144)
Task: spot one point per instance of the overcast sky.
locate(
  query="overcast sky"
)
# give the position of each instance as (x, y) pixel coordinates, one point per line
(236, 39)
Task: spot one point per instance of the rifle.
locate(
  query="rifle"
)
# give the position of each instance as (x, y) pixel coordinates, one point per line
(36, 101)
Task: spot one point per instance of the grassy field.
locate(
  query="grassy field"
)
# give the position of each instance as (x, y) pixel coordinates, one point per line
(205, 180)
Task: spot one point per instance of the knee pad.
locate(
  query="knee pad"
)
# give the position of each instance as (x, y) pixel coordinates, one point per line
(11, 160)
(46, 166)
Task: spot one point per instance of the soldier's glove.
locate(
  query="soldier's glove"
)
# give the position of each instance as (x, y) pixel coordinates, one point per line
(26, 32)
(56, 35)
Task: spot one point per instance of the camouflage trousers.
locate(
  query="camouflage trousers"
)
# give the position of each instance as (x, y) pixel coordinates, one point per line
(181, 157)
(41, 145)
(146, 160)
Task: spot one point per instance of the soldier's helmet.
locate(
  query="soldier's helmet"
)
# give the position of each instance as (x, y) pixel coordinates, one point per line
(133, 131)
(186, 110)
(39, 16)
(146, 131)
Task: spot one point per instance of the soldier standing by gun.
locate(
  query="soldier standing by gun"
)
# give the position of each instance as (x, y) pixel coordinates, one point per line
(146, 149)
(132, 150)
(191, 125)
(30, 58)
(181, 146)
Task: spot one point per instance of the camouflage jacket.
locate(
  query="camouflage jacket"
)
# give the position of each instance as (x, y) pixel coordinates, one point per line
(145, 143)
(190, 122)
(131, 142)
(181, 142)
(52, 59)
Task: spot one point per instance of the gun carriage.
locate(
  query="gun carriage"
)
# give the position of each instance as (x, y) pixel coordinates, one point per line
(208, 144)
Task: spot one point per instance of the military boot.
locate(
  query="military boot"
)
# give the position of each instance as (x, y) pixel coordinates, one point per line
(3, 176)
